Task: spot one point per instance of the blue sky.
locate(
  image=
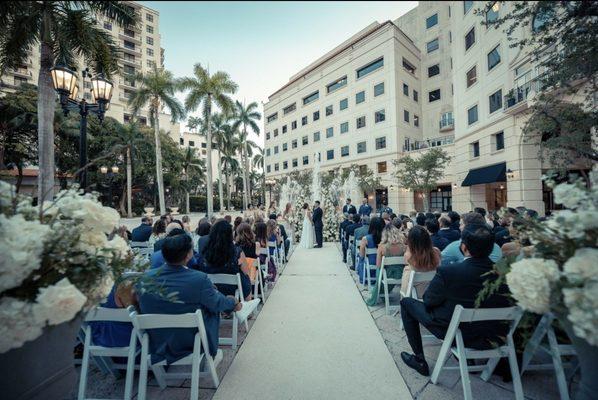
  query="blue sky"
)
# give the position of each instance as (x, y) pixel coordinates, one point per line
(261, 44)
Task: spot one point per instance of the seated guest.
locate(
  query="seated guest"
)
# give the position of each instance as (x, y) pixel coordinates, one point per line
(158, 232)
(420, 220)
(143, 232)
(453, 254)
(457, 284)
(273, 234)
(433, 228)
(110, 333)
(412, 216)
(348, 220)
(370, 241)
(446, 231)
(186, 223)
(245, 239)
(192, 290)
(429, 215)
(222, 256)
(228, 219)
(420, 256)
(350, 231)
(480, 210)
(501, 231)
(437, 215)
(237, 222)
(455, 221)
(169, 228)
(360, 233)
(158, 260)
(283, 233)
(386, 217)
(261, 238)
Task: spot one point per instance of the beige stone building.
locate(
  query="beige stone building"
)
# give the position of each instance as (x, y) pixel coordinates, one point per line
(448, 81)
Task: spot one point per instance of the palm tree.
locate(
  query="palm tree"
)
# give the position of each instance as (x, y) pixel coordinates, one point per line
(245, 117)
(208, 90)
(230, 164)
(190, 160)
(63, 30)
(222, 133)
(194, 124)
(258, 162)
(157, 89)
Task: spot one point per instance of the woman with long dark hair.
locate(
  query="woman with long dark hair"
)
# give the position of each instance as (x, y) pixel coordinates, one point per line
(370, 241)
(222, 256)
(261, 238)
(420, 256)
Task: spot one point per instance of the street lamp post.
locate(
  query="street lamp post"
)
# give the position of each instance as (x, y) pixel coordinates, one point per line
(110, 173)
(65, 84)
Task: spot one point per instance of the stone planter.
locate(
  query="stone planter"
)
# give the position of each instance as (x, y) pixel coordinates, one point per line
(43, 368)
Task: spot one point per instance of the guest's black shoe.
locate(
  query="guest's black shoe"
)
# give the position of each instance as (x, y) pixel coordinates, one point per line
(415, 362)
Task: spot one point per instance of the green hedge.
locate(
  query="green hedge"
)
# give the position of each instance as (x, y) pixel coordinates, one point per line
(200, 204)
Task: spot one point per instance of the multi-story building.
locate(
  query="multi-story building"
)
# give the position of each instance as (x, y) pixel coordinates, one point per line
(447, 81)
(139, 51)
(199, 143)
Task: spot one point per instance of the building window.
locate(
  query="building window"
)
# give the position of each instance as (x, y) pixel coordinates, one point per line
(415, 96)
(285, 165)
(406, 89)
(475, 149)
(129, 45)
(343, 104)
(330, 154)
(409, 67)
(360, 97)
(275, 132)
(317, 136)
(284, 129)
(267, 152)
(492, 13)
(149, 41)
(294, 144)
(432, 45)
(470, 38)
(191, 143)
(499, 141)
(149, 29)
(316, 115)
(149, 17)
(381, 143)
(434, 95)
(431, 21)
(276, 167)
(360, 122)
(275, 149)
(361, 147)
(267, 135)
(204, 145)
(304, 140)
(379, 116)
(150, 52)
(495, 101)
(151, 63)
(108, 26)
(305, 160)
(304, 120)
(329, 132)
(285, 146)
(493, 58)
(406, 116)
(268, 168)
(329, 110)
(294, 125)
(344, 151)
(295, 163)
(181, 140)
(371, 67)
(471, 76)
(311, 98)
(336, 84)
(379, 89)
(433, 70)
(381, 166)
(289, 108)
(467, 6)
(472, 115)
(415, 120)
(344, 127)
(272, 117)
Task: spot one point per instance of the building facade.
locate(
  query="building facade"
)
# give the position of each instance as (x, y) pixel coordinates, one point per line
(448, 81)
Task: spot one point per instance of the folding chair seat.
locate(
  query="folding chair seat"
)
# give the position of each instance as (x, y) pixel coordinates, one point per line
(201, 351)
(101, 314)
(229, 279)
(384, 281)
(367, 268)
(275, 254)
(462, 353)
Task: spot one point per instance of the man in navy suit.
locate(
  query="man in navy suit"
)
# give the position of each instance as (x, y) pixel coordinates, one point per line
(318, 224)
(143, 232)
(349, 208)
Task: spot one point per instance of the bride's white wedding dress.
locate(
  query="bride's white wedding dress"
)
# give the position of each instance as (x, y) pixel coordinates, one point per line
(308, 234)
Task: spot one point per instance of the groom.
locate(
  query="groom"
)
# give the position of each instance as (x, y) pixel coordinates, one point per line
(318, 225)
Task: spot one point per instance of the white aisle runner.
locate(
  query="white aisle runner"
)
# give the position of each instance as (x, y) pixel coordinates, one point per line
(314, 339)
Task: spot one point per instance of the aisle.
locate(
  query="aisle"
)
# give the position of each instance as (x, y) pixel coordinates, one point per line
(314, 339)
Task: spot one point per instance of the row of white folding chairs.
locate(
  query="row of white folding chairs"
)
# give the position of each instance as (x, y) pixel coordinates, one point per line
(350, 251)
(142, 248)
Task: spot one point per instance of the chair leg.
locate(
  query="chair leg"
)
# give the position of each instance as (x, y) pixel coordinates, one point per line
(386, 294)
(160, 375)
(130, 372)
(463, 367)
(141, 391)
(561, 380)
(234, 333)
(195, 371)
(443, 355)
(534, 342)
(490, 366)
(212, 370)
(84, 366)
(517, 387)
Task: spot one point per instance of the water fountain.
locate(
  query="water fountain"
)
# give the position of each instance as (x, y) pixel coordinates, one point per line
(285, 195)
(351, 188)
(316, 183)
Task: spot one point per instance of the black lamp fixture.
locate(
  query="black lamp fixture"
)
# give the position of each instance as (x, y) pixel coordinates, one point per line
(65, 84)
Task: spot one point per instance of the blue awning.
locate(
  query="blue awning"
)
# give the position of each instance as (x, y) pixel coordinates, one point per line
(489, 174)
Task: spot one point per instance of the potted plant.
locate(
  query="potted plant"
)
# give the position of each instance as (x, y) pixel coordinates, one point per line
(57, 262)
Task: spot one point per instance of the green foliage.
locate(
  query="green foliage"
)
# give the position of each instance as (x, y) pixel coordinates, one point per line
(421, 173)
(368, 181)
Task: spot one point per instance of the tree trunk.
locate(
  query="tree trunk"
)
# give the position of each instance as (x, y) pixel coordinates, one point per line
(159, 179)
(220, 191)
(121, 201)
(129, 184)
(46, 104)
(19, 177)
(425, 200)
(227, 191)
(209, 183)
(187, 202)
(264, 186)
(245, 183)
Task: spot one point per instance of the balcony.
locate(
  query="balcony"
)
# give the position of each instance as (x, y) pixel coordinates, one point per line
(130, 61)
(132, 49)
(446, 123)
(22, 72)
(127, 82)
(130, 36)
(428, 143)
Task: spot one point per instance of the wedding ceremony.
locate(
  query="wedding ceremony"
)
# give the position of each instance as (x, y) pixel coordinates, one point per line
(226, 200)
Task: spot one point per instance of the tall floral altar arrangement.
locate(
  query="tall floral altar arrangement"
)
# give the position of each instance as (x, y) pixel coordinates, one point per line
(560, 272)
(56, 262)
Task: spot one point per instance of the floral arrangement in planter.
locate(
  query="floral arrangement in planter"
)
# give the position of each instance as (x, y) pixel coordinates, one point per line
(56, 261)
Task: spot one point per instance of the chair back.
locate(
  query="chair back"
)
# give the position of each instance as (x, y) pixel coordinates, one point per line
(272, 244)
(228, 279)
(371, 251)
(461, 314)
(134, 245)
(415, 278)
(108, 314)
(143, 322)
(393, 260)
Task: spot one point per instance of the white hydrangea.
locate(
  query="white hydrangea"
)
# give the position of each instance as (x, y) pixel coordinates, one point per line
(27, 209)
(101, 290)
(17, 324)
(530, 282)
(91, 242)
(88, 210)
(21, 247)
(119, 246)
(582, 266)
(582, 304)
(7, 193)
(573, 224)
(58, 303)
(569, 195)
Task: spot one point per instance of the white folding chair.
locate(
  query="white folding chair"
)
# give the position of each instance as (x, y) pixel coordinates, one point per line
(350, 246)
(201, 350)
(367, 267)
(134, 244)
(556, 350)
(411, 291)
(383, 280)
(258, 284)
(142, 248)
(101, 314)
(274, 247)
(462, 353)
(228, 279)
(264, 265)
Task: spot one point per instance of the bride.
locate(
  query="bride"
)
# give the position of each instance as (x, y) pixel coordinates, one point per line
(307, 233)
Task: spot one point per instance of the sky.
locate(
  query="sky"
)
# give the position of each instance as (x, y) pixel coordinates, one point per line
(260, 44)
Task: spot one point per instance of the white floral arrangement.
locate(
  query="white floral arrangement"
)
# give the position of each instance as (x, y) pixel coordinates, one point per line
(56, 261)
(561, 276)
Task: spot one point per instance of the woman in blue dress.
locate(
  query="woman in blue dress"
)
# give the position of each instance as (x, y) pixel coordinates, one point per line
(370, 241)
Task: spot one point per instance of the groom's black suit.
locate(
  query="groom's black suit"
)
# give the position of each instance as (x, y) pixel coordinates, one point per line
(318, 225)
